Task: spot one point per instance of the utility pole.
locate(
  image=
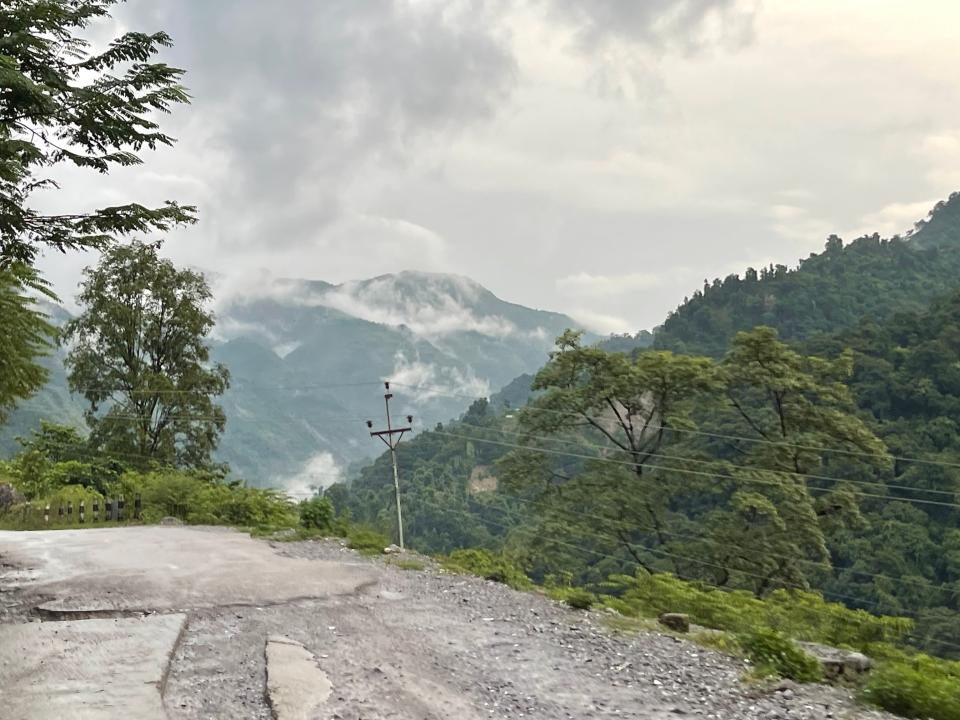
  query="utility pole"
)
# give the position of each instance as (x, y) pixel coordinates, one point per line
(387, 436)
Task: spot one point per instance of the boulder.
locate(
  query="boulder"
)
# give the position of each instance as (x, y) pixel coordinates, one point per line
(838, 664)
(392, 550)
(678, 622)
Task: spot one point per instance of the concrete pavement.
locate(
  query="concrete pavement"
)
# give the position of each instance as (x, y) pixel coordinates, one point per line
(87, 573)
(135, 581)
(86, 670)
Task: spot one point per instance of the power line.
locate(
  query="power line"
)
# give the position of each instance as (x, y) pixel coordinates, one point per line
(580, 548)
(533, 408)
(634, 563)
(700, 538)
(544, 438)
(686, 471)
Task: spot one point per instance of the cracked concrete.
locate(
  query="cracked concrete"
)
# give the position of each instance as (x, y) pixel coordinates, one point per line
(89, 669)
(110, 571)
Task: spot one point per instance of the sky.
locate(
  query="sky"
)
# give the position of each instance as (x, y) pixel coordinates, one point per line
(597, 158)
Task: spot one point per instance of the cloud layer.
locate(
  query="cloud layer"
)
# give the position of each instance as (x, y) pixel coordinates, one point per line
(599, 158)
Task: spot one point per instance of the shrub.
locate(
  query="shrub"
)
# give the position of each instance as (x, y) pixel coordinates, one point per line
(317, 514)
(772, 652)
(801, 615)
(409, 564)
(486, 565)
(579, 598)
(199, 499)
(920, 687)
(366, 541)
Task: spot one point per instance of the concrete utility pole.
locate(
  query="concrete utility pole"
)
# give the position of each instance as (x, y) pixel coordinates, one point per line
(387, 437)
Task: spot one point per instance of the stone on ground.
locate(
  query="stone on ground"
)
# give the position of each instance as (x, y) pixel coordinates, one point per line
(296, 686)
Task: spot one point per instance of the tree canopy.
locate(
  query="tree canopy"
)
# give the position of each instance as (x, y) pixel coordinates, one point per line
(138, 353)
(26, 335)
(63, 102)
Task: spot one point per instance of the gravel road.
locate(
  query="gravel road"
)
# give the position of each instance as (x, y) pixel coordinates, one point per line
(434, 645)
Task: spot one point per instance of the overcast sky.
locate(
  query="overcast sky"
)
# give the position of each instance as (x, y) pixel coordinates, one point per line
(597, 157)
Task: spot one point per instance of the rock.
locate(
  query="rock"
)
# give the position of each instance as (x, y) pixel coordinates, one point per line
(171, 522)
(392, 550)
(296, 686)
(836, 663)
(678, 622)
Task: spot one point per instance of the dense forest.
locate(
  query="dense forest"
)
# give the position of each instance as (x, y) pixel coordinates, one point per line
(870, 277)
(830, 462)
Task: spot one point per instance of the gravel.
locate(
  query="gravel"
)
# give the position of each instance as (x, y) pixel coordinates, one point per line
(430, 644)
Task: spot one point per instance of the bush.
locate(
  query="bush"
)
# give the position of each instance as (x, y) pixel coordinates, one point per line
(801, 615)
(366, 541)
(317, 514)
(199, 499)
(579, 598)
(772, 652)
(919, 687)
(488, 566)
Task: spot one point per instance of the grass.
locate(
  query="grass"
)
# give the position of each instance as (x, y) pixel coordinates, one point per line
(409, 564)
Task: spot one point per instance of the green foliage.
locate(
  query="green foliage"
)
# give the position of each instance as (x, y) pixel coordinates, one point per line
(409, 564)
(199, 498)
(482, 563)
(366, 541)
(800, 615)
(26, 336)
(317, 513)
(917, 687)
(579, 598)
(825, 293)
(772, 652)
(66, 104)
(139, 356)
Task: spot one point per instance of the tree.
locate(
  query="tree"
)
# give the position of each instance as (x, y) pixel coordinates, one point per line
(138, 355)
(26, 335)
(62, 103)
(624, 409)
(791, 411)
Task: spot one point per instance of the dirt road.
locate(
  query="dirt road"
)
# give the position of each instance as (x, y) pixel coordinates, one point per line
(400, 644)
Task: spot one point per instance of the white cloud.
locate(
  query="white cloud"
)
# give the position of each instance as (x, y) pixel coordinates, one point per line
(320, 471)
(425, 381)
(424, 303)
(587, 285)
(893, 219)
(601, 323)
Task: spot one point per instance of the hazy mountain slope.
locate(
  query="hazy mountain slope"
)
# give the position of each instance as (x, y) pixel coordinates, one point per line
(307, 359)
(828, 291)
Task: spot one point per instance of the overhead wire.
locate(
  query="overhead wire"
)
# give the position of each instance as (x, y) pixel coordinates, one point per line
(797, 446)
(811, 476)
(680, 470)
(857, 601)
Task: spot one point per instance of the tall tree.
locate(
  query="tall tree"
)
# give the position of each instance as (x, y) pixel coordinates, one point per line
(791, 412)
(625, 410)
(139, 356)
(63, 103)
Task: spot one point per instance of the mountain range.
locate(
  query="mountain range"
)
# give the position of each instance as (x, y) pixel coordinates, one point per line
(307, 361)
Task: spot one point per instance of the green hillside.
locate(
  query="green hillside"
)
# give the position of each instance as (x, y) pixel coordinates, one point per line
(869, 277)
(307, 358)
(854, 492)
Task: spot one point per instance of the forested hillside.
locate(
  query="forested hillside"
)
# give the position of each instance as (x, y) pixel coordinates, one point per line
(869, 277)
(774, 468)
(307, 358)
